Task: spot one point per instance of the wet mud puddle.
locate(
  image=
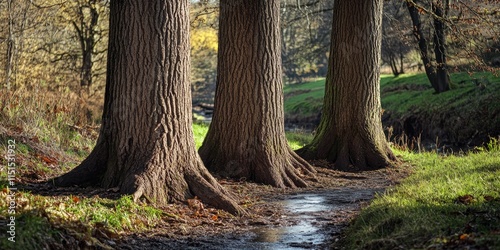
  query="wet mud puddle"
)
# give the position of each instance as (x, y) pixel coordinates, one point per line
(309, 220)
(313, 220)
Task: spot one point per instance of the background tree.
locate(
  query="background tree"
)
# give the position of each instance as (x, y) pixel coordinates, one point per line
(305, 35)
(246, 138)
(146, 145)
(204, 44)
(395, 42)
(437, 73)
(85, 17)
(15, 23)
(350, 132)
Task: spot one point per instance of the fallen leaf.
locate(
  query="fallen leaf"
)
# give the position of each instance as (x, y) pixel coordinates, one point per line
(195, 204)
(465, 199)
(76, 199)
(488, 198)
(48, 160)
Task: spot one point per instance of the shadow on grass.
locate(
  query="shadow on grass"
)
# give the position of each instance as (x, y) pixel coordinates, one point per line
(451, 225)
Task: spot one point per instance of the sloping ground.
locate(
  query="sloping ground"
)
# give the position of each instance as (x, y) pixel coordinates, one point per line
(466, 116)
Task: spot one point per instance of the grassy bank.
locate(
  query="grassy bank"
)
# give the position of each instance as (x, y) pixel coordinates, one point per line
(464, 117)
(448, 202)
(403, 94)
(412, 92)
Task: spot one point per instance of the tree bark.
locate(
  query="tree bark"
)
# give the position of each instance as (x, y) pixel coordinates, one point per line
(437, 77)
(350, 133)
(146, 145)
(246, 138)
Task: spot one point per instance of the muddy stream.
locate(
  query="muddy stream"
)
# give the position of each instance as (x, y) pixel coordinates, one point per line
(309, 220)
(312, 218)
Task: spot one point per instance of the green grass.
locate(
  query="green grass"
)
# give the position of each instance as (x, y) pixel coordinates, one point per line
(40, 219)
(402, 94)
(304, 98)
(430, 208)
(412, 93)
(295, 140)
(298, 140)
(199, 131)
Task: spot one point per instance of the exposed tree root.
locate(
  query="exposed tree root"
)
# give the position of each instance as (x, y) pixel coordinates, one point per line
(154, 183)
(283, 170)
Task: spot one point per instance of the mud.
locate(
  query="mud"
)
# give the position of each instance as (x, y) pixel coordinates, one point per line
(311, 218)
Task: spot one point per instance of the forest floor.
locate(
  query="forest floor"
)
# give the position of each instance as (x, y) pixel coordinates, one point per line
(310, 218)
(306, 218)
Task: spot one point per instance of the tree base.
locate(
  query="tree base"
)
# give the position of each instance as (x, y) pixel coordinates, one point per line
(154, 183)
(356, 155)
(281, 171)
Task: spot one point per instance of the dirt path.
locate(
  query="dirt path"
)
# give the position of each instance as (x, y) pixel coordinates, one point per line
(310, 218)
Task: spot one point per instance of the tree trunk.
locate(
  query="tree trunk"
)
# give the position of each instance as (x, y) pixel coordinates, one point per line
(246, 138)
(442, 78)
(9, 64)
(146, 145)
(401, 59)
(437, 74)
(422, 44)
(350, 133)
(393, 64)
(86, 33)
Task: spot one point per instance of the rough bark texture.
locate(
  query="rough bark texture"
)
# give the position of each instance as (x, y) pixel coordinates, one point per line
(246, 138)
(350, 132)
(439, 80)
(146, 145)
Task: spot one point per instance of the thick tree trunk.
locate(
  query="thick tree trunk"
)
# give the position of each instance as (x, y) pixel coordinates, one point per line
(246, 138)
(146, 145)
(350, 132)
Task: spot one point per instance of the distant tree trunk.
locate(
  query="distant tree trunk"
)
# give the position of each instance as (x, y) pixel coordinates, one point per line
(393, 62)
(350, 133)
(442, 76)
(438, 82)
(401, 59)
(86, 33)
(246, 138)
(146, 145)
(9, 64)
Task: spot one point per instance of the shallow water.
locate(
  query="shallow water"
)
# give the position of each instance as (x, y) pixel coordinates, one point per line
(310, 220)
(311, 217)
